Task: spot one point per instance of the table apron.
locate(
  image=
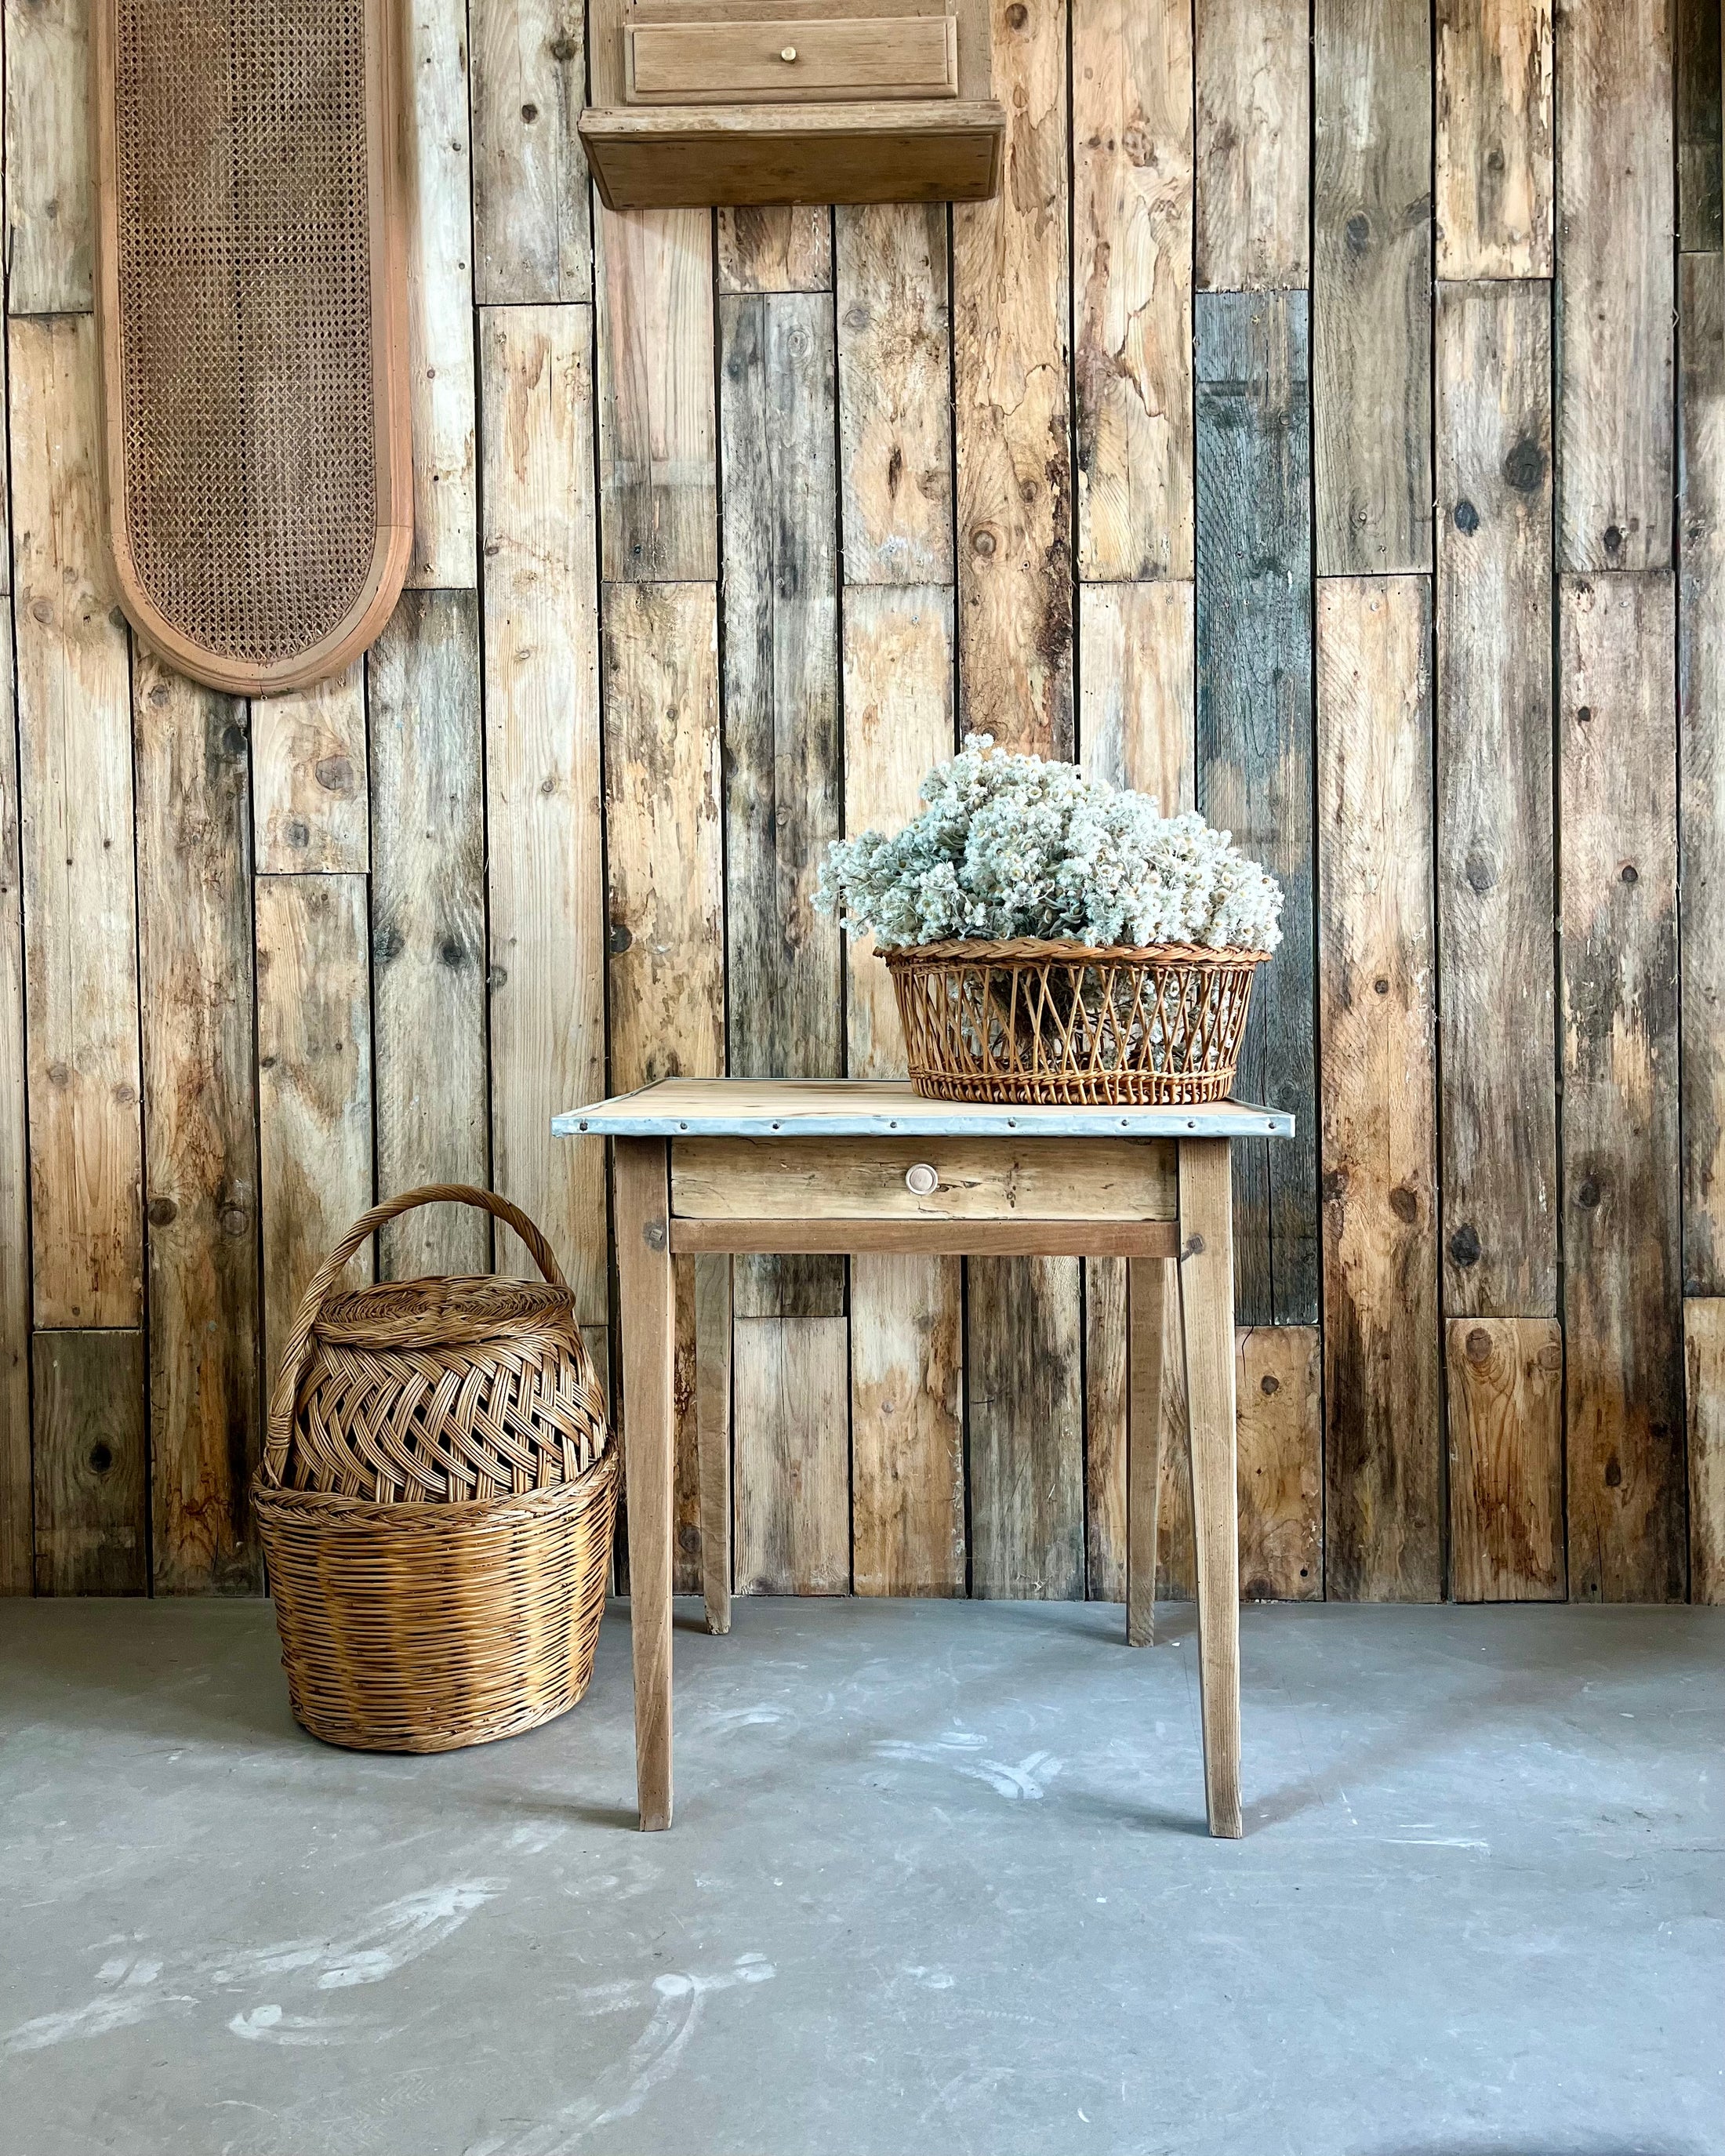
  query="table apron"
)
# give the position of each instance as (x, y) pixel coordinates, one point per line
(956, 1239)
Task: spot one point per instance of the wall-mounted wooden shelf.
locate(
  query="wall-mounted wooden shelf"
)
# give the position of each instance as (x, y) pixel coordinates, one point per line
(701, 101)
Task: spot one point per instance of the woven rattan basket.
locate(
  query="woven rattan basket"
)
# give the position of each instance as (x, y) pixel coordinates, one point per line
(1062, 1023)
(436, 1501)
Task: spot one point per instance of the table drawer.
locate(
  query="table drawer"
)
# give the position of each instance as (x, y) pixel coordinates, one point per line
(741, 63)
(923, 1179)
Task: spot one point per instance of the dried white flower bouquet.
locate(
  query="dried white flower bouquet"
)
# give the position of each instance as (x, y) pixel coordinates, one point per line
(1009, 846)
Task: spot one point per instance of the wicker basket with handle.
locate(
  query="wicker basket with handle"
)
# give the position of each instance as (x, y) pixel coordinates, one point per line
(436, 1500)
(1064, 1023)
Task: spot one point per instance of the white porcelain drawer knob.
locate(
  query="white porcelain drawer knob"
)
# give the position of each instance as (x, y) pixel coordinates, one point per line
(922, 1181)
(788, 54)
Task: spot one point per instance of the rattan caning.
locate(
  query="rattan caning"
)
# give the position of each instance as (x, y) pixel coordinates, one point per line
(250, 299)
(436, 1500)
(1063, 1023)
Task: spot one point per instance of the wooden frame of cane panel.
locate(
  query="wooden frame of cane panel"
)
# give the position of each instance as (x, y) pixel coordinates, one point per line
(252, 317)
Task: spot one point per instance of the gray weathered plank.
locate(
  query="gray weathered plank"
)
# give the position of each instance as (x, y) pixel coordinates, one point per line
(781, 722)
(428, 930)
(1495, 866)
(313, 1083)
(308, 778)
(1616, 209)
(1701, 220)
(1622, 1322)
(1704, 1348)
(1371, 286)
(1255, 745)
(50, 208)
(1701, 670)
(1026, 1430)
(200, 1129)
(775, 247)
(531, 226)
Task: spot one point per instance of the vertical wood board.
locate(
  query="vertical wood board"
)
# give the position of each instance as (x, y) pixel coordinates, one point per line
(1494, 161)
(531, 224)
(1704, 1349)
(16, 1540)
(544, 815)
(1622, 1325)
(194, 870)
(1371, 287)
(79, 898)
(1131, 214)
(92, 1464)
(1253, 126)
(310, 779)
(1383, 1444)
(1254, 747)
(1495, 872)
(428, 930)
(1506, 1394)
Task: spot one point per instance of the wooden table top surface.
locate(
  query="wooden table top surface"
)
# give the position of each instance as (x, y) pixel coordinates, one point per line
(864, 1107)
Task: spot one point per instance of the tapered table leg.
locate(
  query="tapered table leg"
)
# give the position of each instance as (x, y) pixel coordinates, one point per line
(1148, 1284)
(1206, 1266)
(648, 1326)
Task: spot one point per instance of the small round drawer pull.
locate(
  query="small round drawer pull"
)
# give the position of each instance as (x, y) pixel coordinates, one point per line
(922, 1181)
(788, 54)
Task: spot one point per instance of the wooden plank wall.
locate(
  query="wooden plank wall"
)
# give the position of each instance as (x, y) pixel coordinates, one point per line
(1324, 429)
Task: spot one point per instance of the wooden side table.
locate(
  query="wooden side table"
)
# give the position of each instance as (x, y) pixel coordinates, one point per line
(729, 1166)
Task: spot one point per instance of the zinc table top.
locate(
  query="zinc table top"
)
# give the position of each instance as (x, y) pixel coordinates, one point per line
(866, 1107)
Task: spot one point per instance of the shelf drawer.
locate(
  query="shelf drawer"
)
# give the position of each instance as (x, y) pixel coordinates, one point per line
(742, 63)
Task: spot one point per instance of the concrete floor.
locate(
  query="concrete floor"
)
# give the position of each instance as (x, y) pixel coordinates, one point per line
(938, 1881)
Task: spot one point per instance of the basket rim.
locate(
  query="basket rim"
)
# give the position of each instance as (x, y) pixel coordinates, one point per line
(335, 1508)
(1038, 950)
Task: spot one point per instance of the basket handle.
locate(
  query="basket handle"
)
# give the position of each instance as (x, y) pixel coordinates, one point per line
(295, 1354)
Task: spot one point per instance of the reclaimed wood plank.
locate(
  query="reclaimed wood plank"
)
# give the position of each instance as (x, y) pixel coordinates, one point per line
(80, 895)
(1700, 217)
(1496, 874)
(657, 485)
(1383, 1452)
(543, 811)
(1011, 284)
(313, 1083)
(1704, 1350)
(1617, 884)
(667, 939)
(793, 1523)
(532, 229)
(429, 931)
(16, 1554)
(775, 247)
(1132, 272)
(1494, 164)
(1254, 747)
(1026, 1429)
(1616, 208)
(1371, 287)
(1506, 1459)
(906, 1313)
(1137, 711)
(1012, 289)
(1701, 668)
(92, 1464)
(196, 965)
(1253, 169)
(1279, 1387)
(308, 778)
(894, 309)
(782, 750)
(439, 295)
(50, 215)
(1137, 672)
